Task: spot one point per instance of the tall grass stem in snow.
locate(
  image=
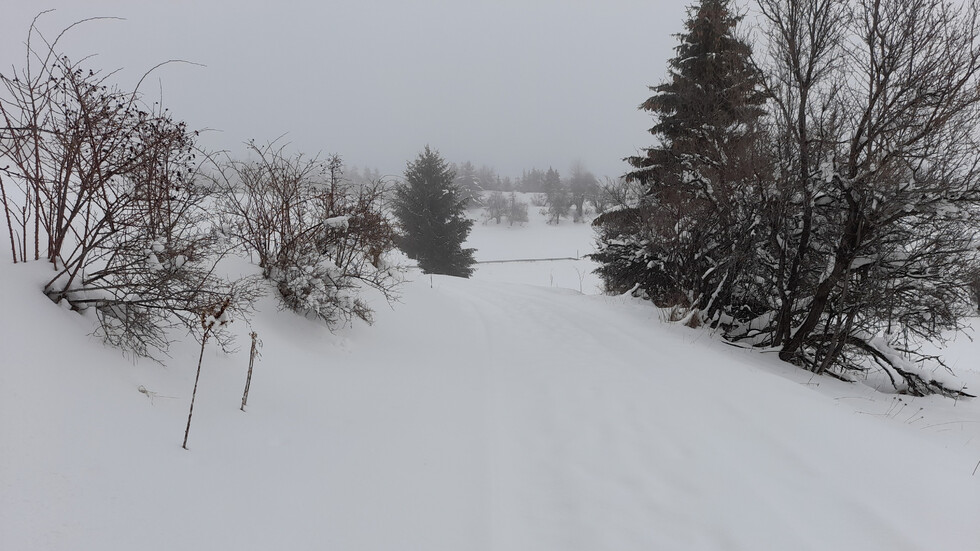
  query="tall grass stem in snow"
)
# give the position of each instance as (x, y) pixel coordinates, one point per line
(210, 318)
(251, 363)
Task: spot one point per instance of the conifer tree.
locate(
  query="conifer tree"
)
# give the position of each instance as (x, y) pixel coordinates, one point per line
(682, 243)
(709, 105)
(558, 198)
(430, 209)
(468, 183)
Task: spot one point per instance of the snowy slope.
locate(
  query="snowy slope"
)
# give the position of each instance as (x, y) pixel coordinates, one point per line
(476, 414)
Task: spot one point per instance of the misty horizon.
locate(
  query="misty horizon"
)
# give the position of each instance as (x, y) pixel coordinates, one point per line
(508, 85)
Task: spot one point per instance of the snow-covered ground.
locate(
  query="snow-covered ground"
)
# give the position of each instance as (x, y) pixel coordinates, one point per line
(553, 255)
(487, 414)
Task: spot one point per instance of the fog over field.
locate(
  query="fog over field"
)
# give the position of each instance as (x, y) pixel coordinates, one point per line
(511, 84)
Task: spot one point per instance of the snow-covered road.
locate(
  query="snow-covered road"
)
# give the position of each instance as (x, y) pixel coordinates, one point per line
(474, 415)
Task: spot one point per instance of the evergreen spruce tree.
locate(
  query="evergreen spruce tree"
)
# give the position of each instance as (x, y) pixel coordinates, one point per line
(429, 208)
(681, 244)
(468, 183)
(708, 107)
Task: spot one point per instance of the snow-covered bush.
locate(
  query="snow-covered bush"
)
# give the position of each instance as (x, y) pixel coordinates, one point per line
(318, 239)
(102, 186)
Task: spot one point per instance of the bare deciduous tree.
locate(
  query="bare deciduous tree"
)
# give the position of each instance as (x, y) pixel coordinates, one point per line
(873, 215)
(495, 207)
(516, 210)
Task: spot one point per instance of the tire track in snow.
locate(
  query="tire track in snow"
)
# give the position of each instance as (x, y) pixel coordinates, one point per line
(610, 432)
(560, 446)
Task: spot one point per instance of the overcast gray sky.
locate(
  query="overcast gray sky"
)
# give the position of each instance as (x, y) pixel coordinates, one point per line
(508, 83)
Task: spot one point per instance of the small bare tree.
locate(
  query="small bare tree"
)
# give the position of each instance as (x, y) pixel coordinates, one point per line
(495, 207)
(582, 185)
(516, 211)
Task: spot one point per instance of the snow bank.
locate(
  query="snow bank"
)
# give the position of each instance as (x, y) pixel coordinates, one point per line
(474, 415)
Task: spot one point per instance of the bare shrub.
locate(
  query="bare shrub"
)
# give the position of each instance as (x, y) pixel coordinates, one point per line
(102, 186)
(317, 238)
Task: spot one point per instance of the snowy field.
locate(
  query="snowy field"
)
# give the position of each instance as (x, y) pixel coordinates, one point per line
(555, 254)
(513, 411)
